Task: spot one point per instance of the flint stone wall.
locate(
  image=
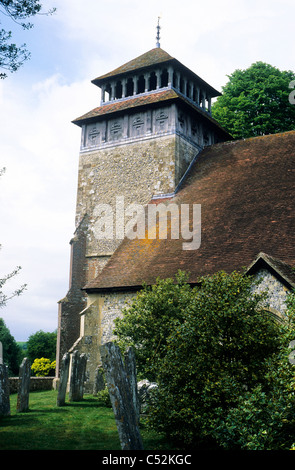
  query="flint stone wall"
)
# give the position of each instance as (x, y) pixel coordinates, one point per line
(36, 384)
(276, 292)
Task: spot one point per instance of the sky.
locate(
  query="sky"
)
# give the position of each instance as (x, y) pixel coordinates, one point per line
(39, 145)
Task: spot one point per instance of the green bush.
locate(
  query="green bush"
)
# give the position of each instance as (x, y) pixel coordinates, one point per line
(221, 364)
(43, 367)
(104, 398)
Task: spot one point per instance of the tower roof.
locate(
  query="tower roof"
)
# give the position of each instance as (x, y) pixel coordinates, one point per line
(148, 60)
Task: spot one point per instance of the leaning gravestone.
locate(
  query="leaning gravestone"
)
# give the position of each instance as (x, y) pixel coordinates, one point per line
(121, 397)
(4, 391)
(99, 383)
(63, 382)
(78, 374)
(24, 386)
(130, 367)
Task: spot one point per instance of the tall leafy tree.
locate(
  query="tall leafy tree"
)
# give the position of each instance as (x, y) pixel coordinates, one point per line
(11, 351)
(19, 12)
(255, 102)
(42, 344)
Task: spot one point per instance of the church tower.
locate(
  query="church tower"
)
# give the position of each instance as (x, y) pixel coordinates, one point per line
(153, 120)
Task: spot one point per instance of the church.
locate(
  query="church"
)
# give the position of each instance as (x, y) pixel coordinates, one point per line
(153, 145)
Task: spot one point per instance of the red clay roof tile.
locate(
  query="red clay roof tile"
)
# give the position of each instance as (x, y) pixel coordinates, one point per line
(145, 100)
(246, 192)
(149, 59)
(152, 57)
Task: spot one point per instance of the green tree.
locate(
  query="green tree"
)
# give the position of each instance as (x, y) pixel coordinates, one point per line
(255, 102)
(220, 345)
(147, 323)
(42, 344)
(18, 11)
(264, 417)
(11, 350)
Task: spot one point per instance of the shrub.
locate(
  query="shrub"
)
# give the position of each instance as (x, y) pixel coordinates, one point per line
(104, 398)
(43, 367)
(219, 359)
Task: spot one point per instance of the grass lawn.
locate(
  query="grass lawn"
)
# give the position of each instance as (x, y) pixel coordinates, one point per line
(85, 425)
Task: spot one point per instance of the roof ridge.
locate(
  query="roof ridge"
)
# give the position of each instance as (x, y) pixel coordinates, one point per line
(256, 137)
(151, 57)
(285, 270)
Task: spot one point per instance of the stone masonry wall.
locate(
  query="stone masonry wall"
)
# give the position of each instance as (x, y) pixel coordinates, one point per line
(276, 291)
(136, 171)
(97, 328)
(36, 383)
(74, 302)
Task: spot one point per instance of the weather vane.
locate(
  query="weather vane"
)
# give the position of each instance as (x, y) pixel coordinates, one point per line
(158, 32)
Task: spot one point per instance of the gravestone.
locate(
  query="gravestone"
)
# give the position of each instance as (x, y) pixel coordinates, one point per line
(4, 391)
(145, 394)
(121, 397)
(64, 375)
(99, 383)
(1, 353)
(78, 374)
(24, 386)
(130, 367)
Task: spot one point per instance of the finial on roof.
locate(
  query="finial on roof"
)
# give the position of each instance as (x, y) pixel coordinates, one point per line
(158, 32)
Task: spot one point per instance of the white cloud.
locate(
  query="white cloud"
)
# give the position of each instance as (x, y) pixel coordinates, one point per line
(39, 147)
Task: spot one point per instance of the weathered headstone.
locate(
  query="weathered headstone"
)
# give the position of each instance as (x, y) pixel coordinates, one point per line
(121, 397)
(1, 353)
(24, 386)
(99, 383)
(4, 391)
(64, 375)
(78, 374)
(145, 394)
(130, 367)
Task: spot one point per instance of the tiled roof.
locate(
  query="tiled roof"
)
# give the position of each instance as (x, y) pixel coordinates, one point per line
(149, 59)
(140, 101)
(246, 192)
(127, 103)
(281, 269)
(152, 57)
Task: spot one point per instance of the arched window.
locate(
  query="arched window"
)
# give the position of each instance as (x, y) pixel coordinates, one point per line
(164, 78)
(152, 81)
(181, 85)
(187, 91)
(141, 84)
(129, 87)
(194, 97)
(275, 314)
(118, 90)
(108, 90)
(174, 80)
